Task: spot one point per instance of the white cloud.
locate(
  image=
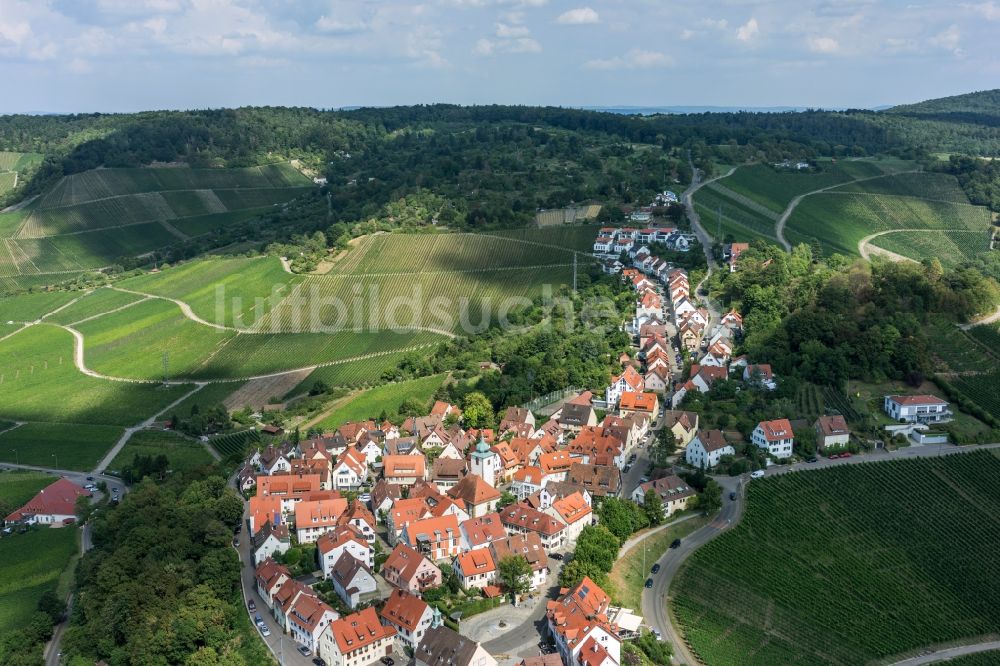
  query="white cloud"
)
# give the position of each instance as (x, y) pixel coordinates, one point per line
(947, 39)
(505, 31)
(634, 59)
(823, 44)
(687, 34)
(336, 26)
(80, 66)
(988, 10)
(717, 24)
(748, 30)
(579, 16)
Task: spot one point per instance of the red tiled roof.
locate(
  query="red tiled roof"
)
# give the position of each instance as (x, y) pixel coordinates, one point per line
(477, 561)
(404, 609)
(917, 400)
(359, 630)
(776, 430)
(56, 499)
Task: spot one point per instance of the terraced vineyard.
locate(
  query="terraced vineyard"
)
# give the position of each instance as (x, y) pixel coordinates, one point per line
(815, 574)
(91, 219)
(234, 445)
(959, 350)
(937, 186)
(741, 220)
(12, 165)
(950, 247)
(981, 389)
(774, 188)
(840, 221)
(579, 237)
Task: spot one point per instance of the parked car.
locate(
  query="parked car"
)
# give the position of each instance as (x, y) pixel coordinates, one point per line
(303, 650)
(626, 468)
(252, 605)
(649, 583)
(388, 661)
(643, 479)
(845, 454)
(365, 497)
(318, 662)
(732, 496)
(811, 459)
(236, 543)
(556, 556)
(264, 631)
(258, 619)
(759, 474)
(90, 478)
(676, 543)
(656, 568)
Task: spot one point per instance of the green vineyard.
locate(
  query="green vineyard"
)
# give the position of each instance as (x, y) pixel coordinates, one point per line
(846, 565)
(950, 247)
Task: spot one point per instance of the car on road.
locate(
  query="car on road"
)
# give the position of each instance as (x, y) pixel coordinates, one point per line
(676, 543)
(649, 583)
(318, 662)
(811, 459)
(759, 474)
(732, 496)
(643, 479)
(626, 468)
(264, 631)
(365, 497)
(252, 606)
(845, 454)
(656, 568)
(236, 543)
(258, 619)
(556, 556)
(90, 478)
(303, 650)
(656, 632)
(388, 661)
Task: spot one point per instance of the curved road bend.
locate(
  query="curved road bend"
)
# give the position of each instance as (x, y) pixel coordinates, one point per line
(946, 654)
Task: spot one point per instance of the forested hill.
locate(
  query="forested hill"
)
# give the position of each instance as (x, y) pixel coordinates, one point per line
(982, 106)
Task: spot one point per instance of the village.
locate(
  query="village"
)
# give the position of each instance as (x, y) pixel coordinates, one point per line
(433, 543)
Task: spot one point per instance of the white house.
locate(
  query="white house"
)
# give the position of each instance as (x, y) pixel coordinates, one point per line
(352, 579)
(345, 539)
(707, 448)
(409, 615)
(350, 470)
(917, 408)
(308, 618)
(775, 436)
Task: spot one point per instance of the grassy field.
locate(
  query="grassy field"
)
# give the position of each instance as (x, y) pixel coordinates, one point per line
(775, 188)
(840, 221)
(388, 398)
(11, 166)
(58, 445)
(815, 549)
(631, 570)
(182, 452)
(38, 382)
(209, 395)
(351, 374)
(738, 220)
(32, 564)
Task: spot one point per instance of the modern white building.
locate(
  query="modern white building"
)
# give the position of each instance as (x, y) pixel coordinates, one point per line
(917, 408)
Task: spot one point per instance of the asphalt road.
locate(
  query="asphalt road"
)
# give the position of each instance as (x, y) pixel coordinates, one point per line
(946, 654)
(522, 640)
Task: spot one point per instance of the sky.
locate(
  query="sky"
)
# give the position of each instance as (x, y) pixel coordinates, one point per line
(129, 55)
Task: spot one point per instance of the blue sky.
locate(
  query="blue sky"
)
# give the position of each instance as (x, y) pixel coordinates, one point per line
(126, 55)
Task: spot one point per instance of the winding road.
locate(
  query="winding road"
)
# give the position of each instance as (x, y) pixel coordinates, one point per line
(866, 250)
(779, 226)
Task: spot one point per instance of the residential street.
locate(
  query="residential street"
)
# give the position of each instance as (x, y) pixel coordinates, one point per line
(654, 601)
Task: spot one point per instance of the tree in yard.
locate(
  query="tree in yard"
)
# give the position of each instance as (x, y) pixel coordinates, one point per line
(574, 572)
(597, 545)
(477, 411)
(663, 447)
(412, 407)
(710, 499)
(506, 499)
(82, 509)
(449, 580)
(652, 504)
(616, 519)
(515, 574)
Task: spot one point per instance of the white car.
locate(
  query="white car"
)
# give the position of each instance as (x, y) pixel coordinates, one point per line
(759, 474)
(264, 631)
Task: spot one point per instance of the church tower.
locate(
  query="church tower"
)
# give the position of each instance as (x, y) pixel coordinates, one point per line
(486, 463)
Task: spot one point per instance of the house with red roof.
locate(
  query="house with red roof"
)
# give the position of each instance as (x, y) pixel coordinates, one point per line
(290, 488)
(315, 518)
(270, 576)
(575, 511)
(343, 539)
(404, 469)
(350, 470)
(475, 495)
(480, 532)
(529, 546)
(409, 615)
(673, 490)
(270, 539)
(54, 505)
(408, 570)
(580, 616)
(358, 639)
(831, 431)
(775, 436)
(307, 619)
(760, 375)
(638, 403)
(628, 380)
(475, 569)
(359, 517)
(437, 538)
(520, 519)
(916, 408)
